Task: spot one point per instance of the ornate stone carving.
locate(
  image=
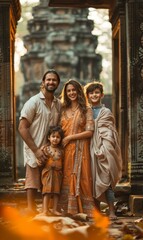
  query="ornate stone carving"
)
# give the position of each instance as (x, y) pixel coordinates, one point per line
(9, 15)
(61, 38)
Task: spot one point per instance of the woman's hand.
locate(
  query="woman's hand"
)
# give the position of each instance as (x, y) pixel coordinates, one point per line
(66, 140)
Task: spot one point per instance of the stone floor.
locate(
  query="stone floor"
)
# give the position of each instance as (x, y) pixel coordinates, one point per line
(14, 225)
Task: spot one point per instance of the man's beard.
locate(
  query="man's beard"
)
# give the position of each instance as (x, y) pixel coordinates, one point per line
(50, 90)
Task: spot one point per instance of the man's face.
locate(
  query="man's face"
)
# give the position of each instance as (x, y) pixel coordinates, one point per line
(51, 82)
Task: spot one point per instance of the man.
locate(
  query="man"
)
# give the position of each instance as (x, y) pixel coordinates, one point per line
(38, 113)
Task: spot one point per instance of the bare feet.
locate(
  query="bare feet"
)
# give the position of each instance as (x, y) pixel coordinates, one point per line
(112, 216)
(42, 214)
(56, 213)
(29, 212)
(47, 213)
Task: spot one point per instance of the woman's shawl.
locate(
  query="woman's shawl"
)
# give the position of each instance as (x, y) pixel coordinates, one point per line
(107, 166)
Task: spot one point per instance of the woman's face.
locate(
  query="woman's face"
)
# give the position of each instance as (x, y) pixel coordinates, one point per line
(71, 92)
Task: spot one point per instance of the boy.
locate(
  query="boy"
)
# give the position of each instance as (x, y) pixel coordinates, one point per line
(106, 160)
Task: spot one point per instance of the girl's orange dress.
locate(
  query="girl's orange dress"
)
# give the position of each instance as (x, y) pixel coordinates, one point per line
(76, 193)
(52, 173)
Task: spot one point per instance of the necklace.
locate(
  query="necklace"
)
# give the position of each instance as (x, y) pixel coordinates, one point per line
(73, 110)
(54, 151)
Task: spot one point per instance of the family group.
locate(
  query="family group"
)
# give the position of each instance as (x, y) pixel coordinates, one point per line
(71, 148)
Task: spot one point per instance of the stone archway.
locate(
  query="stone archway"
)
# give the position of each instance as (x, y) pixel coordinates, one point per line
(126, 19)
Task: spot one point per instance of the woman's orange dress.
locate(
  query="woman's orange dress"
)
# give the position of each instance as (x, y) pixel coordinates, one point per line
(76, 192)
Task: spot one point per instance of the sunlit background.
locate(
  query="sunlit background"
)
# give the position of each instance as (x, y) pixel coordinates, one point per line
(102, 29)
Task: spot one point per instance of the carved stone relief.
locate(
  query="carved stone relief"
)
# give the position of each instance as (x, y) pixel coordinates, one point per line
(136, 90)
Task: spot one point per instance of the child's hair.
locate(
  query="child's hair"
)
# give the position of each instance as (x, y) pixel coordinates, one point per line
(90, 87)
(53, 129)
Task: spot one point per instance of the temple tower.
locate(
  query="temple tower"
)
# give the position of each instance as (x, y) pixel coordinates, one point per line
(59, 38)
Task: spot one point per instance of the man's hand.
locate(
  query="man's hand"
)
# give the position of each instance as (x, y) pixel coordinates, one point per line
(40, 157)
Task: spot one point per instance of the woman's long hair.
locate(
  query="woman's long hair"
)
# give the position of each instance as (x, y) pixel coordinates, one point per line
(80, 95)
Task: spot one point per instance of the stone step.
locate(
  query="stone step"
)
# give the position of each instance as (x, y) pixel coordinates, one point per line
(15, 195)
(136, 205)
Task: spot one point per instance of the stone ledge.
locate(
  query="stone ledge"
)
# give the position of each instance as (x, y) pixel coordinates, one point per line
(123, 187)
(136, 205)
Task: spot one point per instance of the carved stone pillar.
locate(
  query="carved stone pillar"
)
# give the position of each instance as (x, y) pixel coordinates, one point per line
(134, 14)
(9, 15)
(127, 22)
(119, 100)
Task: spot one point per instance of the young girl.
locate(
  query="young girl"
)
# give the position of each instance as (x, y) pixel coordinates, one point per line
(52, 172)
(106, 160)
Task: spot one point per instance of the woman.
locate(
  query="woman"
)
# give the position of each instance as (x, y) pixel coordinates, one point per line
(77, 124)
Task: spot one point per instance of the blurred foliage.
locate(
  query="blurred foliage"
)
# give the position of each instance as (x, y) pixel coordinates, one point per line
(26, 14)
